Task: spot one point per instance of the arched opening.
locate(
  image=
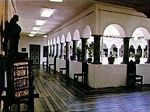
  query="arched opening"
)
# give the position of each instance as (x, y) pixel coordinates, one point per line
(62, 39)
(58, 45)
(121, 51)
(131, 51)
(139, 51)
(68, 38)
(90, 48)
(105, 50)
(145, 52)
(113, 50)
(87, 32)
(76, 35)
(112, 39)
(54, 47)
(139, 41)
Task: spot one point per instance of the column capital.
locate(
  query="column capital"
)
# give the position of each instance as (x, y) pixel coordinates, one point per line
(82, 38)
(75, 40)
(127, 37)
(67, 42)
(96, 36)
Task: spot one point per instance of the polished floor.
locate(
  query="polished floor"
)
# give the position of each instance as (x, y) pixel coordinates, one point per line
(59, 95)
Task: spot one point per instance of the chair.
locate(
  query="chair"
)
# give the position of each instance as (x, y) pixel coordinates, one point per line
(76, 78)
(62, 70)
(132, 78)
(49, 67)
(44, 64)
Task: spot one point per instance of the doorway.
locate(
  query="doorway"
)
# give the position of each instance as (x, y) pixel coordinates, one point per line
(35, 53)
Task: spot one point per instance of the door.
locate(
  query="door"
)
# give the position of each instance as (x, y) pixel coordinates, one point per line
(35, 53)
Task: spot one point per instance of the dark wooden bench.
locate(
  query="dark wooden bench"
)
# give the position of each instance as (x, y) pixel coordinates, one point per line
(76, 78)
(49, 67)
(133, 79)
(62, 70)
(44, 64)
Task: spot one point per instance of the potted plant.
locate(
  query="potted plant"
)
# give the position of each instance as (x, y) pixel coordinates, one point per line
(79, 54)
(137, 58)
(90, 48)
(111, 59)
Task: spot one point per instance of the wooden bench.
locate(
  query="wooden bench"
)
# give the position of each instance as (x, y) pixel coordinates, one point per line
(44, 64)
(49, 67)
(133, 79)
(62, 70)
(76, 78)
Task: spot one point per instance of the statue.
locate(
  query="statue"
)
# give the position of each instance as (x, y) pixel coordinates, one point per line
(11, 35)
(15, 30)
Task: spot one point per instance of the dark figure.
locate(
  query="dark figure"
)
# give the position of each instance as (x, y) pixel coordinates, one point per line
(6, 36)
(15, 30)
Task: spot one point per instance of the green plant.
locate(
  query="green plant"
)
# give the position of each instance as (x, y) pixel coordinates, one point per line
(79, 53)
(137, 58)
(90, 48)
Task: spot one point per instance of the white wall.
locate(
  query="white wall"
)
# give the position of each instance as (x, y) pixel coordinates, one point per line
(60, 63)
(128, 21)
(101, 76)
(144, 70)
(26, 41)
(75, 67)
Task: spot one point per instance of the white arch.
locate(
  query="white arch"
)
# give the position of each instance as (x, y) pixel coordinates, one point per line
(51, 42)
(104, 46)
(62, 40)
(87, 32)
(68, 38)
(140, 35)
(76, 35)
(58, 40)
(54, 41)
(141, 32)
(114, 30)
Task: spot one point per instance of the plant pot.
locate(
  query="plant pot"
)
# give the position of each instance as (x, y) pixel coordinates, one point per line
(137, 61)
(111, 60)
(89, 60)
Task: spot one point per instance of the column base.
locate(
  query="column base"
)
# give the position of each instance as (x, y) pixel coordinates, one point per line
(148, 62)
(97, 62)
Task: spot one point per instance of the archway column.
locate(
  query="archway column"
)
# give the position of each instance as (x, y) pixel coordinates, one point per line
(50, 50)
(118, 53)
(142, 52)
(126, 50)
(67, 51)
(148, 51)
(96, 49)
(75, 49)
(61, 50)
(57, 50)
(108, 52)
(53, 50)
(84, 49)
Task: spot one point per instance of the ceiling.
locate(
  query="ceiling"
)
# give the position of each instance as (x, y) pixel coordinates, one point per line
(30, 10)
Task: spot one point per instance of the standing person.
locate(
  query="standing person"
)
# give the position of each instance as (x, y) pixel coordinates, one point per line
(15, 30)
